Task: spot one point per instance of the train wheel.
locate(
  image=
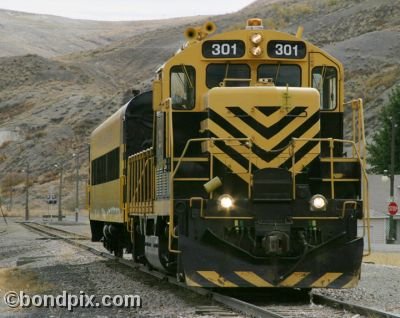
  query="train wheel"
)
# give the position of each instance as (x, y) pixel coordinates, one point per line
(118, 252)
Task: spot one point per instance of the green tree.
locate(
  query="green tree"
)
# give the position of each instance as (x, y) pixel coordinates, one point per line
(380, 148)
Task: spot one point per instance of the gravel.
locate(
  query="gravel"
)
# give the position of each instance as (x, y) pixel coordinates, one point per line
(44, 266)
(379, 288)
(40, 265)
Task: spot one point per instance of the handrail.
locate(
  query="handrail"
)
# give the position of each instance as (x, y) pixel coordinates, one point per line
(140, 186)
(180, 159)
(170, 153)
(366, 218)
(345, 203)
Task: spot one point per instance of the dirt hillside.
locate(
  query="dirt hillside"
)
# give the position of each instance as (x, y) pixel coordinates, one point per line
(59, 78)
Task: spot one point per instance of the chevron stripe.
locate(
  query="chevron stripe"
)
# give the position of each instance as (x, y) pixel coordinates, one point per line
(306, 159)
(216, 279)
(326, 279)
(242, 278)
(268, 110)
(276, 114)
(227, 126)
(305, 131)
(293, 279)
(253, 279)
(232, 164)
(278, 159)
(298, 126)
(191, 282)
(268, 130)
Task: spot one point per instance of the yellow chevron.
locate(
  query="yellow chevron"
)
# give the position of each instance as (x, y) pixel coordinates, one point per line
(232, 164)
(216, 279)
(253, 279)
(258, 138)
(326, 279)
(299, 165)
(273, 119)
(284, 155)
(190, 282)
(353, 282)
(294, 279)
(259, 162)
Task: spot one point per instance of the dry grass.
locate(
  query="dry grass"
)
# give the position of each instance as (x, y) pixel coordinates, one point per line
(382, 258)
(284, 15)
(386, 77)
(21, 279)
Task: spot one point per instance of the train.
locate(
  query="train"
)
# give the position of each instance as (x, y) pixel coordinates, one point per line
(233, 169)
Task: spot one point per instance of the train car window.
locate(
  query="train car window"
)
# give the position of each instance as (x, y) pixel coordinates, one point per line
(106, 167)
(281, 74)
(324, 78)
(183, 83)
(233, 73)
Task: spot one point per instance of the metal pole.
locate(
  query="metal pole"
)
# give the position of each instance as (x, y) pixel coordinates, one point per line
(60, 193)
(11, 192)
(392, 229)
(77, 189)
(27, 193)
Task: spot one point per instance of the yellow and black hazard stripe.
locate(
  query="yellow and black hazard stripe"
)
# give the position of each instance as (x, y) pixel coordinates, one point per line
(209, 278)
(271, 131)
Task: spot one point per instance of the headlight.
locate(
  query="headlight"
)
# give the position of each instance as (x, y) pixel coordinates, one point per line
(225, 201)
(318, 203)
(256, 38)
(256, 50)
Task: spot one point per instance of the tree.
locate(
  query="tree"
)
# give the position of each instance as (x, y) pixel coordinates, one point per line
(380, 148)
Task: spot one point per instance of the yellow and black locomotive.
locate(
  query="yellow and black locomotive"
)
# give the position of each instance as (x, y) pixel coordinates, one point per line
(233, 170)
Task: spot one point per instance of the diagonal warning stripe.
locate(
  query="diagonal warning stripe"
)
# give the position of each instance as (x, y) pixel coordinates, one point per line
(281, 138)
(294, 279)
(326, 279)
(253, 279)
(216, 279)
(269, 126)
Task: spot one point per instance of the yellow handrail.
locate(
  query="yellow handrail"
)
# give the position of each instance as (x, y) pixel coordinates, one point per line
(366, 218)
(140, 185)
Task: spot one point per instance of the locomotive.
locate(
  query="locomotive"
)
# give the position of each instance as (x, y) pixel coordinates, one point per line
(233, 170)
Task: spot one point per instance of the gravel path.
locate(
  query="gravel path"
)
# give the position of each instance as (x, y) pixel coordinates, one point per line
(39, 265)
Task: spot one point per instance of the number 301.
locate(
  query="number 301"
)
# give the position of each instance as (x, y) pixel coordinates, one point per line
(223, 49)
(286, 50)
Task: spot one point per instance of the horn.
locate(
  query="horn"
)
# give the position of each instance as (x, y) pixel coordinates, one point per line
(209, 27)
(191, 33)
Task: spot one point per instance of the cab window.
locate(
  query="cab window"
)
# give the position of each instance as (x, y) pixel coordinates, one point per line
(233, 74)
(281, 74)
(324, 79)
(183, 83)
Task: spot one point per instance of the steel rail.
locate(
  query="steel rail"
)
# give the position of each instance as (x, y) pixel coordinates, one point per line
(232, 303)
(229, 302)
(357, 309)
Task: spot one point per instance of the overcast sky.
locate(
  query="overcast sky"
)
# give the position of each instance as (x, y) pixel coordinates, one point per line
(125, 9)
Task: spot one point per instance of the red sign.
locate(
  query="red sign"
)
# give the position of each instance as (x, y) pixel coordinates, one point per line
(392, 208)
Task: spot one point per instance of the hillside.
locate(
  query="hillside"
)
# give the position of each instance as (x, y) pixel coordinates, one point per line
(53, 97)
(46, 35)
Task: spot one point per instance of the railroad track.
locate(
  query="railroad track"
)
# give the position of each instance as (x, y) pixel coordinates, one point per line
(320, 306)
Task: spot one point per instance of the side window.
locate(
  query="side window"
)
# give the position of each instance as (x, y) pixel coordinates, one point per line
(106, 167)
(234, 74)
(324, 79)
(281, 75)
(183, 83)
